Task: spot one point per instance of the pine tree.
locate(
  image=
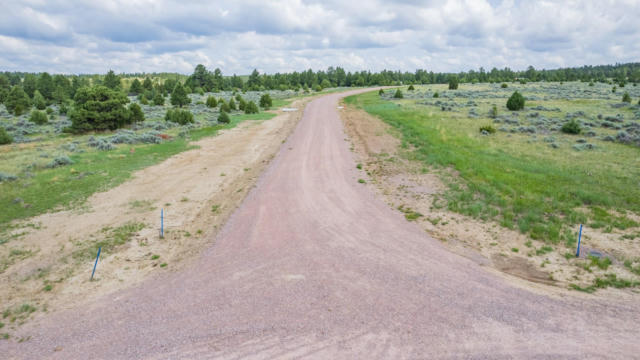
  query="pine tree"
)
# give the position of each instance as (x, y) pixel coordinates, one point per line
(17, 102)
(38, 101)
(112, 81)
(179, 96)
(136, 87)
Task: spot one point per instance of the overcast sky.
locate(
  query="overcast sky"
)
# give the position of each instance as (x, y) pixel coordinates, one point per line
(281, 36)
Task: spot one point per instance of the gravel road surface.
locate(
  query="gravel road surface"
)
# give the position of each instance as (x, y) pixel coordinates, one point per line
(313, 265)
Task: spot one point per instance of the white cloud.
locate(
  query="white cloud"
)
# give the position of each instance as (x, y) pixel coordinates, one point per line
(277, 36)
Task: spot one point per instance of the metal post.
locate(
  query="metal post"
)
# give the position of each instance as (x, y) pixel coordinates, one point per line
(96, 264)
(162, 223)
(579, 238)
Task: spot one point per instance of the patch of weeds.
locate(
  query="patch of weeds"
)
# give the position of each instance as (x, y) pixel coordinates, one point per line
(589, 289)
(5, 336)
(602, 263)
(515, 250)
(184, 199)
(569, 256)
(611, 280)
(528, 244)
(434, 221)
(199, 232)
(544, 250)
(48, 287)
(1, 325)
(361, 181)
(155, 257)
(223, 174)
(409, 214)
(214, 208)
(630, 267)
(113, 237)
(141, 205)
(163, 265)
(359, 166)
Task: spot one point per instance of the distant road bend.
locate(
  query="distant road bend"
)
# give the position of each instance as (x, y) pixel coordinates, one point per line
(314, 265)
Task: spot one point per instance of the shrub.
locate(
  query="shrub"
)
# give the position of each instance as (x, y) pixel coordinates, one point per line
(571, 127)
(232, 104)
(49, 111)
(591, 83)
(493, 112)
(224, 107)
(398, 94)
(224, 118)
(613, 89)
(63, 109)
(136, 87)
(179, 96)
(158, 100)
(626, 98)
(265, 101)
(504, 85)
(99, 108)
(136, 113)
(144, 100)
(38, 100)
(241, 104)
(410, 88)
(38, 117)
(4, 137)
(179, 116)
(515, 102)
(212, 102)
(251, 108)
(487, 129)
(17, 101)
(60, 161)
(317, 88)
(436, 95)
(453, 83)
(380, 92)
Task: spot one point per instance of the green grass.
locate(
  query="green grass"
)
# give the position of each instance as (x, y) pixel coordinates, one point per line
(609, 280)
(92, 171)
(113, 237)
(521, 184)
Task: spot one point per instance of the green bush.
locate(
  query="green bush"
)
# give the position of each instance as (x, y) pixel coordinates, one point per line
(265, 101)
(488, 129)
(453, 83)
(38, 101)
(136, 113)
(4, 137)
(49, 111)
(436, 95)
(398, 94)
(179, 96)
(99, 108)
(493, 112)
(317, 88)
(17, 101)
(241, 104)
(232, 104)
(38, 117)
(504, 85)
(158, 100)
(571, 127)
(224, 118)
(515, 102)
(410, 88)
(251, 108)
(224, 107)
(179, 116)
(144, 100)
(380, 92)
(626, 98)
(212, 102)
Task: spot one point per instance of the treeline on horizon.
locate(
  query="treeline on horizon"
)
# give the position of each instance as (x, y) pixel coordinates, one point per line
(210, 81)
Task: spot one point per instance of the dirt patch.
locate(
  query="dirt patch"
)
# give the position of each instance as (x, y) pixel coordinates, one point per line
(417, 191)
(49, 264)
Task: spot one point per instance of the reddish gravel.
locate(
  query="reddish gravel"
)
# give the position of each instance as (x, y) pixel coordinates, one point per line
(314, 265)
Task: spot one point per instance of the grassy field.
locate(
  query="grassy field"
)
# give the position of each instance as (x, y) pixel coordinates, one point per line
(528, 175)
(47, 169)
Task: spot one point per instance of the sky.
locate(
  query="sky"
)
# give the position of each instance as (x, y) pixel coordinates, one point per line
(294, 35)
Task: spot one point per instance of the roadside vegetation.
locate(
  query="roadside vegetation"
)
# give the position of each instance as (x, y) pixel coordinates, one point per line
(565, 154)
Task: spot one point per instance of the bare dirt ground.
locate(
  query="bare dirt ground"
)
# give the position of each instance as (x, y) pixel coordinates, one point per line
(411, 186)
(197, 189)
(313, 264)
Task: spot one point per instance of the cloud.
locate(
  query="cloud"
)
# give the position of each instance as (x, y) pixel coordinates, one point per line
(86, 36)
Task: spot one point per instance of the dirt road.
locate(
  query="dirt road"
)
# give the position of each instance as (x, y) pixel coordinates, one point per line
(314, 265)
